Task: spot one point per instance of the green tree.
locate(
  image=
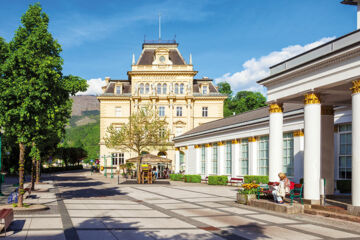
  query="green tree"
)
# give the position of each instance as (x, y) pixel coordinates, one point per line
(34, 93)
(144, 131)
(243, 101)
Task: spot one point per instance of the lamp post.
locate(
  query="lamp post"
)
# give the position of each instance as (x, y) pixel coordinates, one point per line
(2, 175)
(105, 163)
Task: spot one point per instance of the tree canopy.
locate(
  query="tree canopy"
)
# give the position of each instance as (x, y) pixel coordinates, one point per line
(243, 101)
(34, 93)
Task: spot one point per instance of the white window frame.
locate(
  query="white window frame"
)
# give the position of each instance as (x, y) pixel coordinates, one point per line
(203, 159)
(117, 158)
(244, 157)
(205, 89)
(179, 112)
(158, 88)
(176, 88)
(214, 159)
(181, 88)
(161, 111)
(164, 88)
(141, 88)
(348, 134)
(205, 111)
(263, 146)
(288, 154)
(118, 89)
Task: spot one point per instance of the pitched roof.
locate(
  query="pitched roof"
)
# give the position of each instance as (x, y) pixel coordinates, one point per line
(147, 57)
(236, 119)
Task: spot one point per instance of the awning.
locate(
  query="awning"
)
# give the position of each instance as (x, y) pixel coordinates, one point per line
(149, 159)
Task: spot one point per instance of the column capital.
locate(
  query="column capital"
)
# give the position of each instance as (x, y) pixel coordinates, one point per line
(298, 133)
(356, 87)
(220, 143)
(208, 145)
(197, 146)
(251, 139)
(276, 108)
(235, 141)
(312, 98)
(177, 149)
(327, 110)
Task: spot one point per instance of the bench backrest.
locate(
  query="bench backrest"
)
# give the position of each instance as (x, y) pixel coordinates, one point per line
(5, 212)
(236, 179)
(273, 183)
(298, 188)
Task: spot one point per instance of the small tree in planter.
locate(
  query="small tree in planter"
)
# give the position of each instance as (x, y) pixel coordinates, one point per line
(248, 191)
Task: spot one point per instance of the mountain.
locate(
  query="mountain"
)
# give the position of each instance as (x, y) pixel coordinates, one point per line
(83, 129)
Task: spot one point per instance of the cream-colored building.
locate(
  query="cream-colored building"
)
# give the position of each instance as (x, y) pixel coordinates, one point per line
(162, 78)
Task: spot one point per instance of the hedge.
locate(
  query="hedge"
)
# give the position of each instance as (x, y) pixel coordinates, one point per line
(344, 186)
(176, 177)
(217, 180)
(61, 169)
(192, 178)
(256, 179)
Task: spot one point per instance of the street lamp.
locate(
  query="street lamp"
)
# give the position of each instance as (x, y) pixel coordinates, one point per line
(105, 168)
(2, 175)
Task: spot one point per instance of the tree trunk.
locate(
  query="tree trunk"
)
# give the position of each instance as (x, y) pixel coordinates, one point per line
(21, 175)
(33, 167)
(38, 171)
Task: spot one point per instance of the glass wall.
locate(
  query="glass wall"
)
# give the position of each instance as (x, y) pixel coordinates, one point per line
(244, 157)
(263, 155)
(288, 154)
(228, 158)
(214, 158)
(345, 151)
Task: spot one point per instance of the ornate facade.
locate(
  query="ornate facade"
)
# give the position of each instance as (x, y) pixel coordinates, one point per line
(161, 78)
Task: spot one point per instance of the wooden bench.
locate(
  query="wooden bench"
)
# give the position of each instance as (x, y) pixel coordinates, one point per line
(6, 217)
(236, 181)
(267, 191)
(205, 180)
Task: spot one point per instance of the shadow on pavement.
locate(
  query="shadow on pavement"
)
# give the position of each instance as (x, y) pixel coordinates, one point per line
(158, 182)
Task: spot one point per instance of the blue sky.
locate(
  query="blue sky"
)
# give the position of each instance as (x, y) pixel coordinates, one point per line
(234, 41)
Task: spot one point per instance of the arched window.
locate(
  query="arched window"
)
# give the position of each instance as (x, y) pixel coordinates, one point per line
(158, 89)
(147, 88)
(142, 88)
(182, 88)
(164, 88)
(176, 88)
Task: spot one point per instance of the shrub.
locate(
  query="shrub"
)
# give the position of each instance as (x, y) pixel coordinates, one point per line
(192, 178)
(176, 177)
(217, 180)
(249, 188)
(344, 186)
(256, 179)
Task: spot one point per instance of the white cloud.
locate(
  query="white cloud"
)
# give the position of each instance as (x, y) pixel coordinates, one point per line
(94, 88)
(256, 69)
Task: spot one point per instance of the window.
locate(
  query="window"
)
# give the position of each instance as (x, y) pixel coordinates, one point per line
(203, 157)
(164, 88)
(118, 89)
(214, 158)
(263, 156)
(162, 132)
(182, 88)
(176, 88)
(147, 88)
(244, 157)
(117, 128)
(345, 152)
(179, 111)
(182, 162)
(118, 112)
(205, 111)
(178, 131)
(288, 154)
(161, 111)
(228, 158)
(117, 158)
(158, 89)
(205, 89)
(142, 88)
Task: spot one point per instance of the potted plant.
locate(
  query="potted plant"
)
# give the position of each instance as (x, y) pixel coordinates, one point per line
(247, 192)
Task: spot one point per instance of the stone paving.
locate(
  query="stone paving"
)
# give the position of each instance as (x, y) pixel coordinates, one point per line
(84, 206)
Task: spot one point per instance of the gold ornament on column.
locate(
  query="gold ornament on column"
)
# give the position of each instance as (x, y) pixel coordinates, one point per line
(356, 87)
(312, 98)
(251, 139)
(298, 133)
(276, 108)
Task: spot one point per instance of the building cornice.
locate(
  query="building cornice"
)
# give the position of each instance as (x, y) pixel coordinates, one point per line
(167, 72)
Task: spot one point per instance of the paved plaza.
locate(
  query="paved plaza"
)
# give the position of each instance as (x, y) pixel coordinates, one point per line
(85, 206)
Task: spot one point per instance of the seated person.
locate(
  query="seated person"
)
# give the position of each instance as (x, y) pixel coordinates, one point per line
(284, 188)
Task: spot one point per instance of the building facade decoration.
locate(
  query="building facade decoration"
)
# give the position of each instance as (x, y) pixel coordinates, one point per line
(276, 108)
(312, 98)
(356, 87)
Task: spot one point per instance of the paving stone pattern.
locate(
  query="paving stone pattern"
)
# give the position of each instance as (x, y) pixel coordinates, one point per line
(85, 206)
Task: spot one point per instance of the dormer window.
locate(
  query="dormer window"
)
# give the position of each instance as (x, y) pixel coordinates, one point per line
(205, 90)
(118, 90)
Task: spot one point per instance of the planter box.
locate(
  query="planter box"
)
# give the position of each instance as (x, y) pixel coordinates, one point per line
(244, 198)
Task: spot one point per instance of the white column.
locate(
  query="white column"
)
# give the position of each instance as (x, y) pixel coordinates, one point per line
(253, 156)
(221, 158)
(177, 160)
(198, 158)
(275, 142)
(235, 158)
(356, 143)
(208, 155)
(312, 156)
(358, 15)
(298, 155)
